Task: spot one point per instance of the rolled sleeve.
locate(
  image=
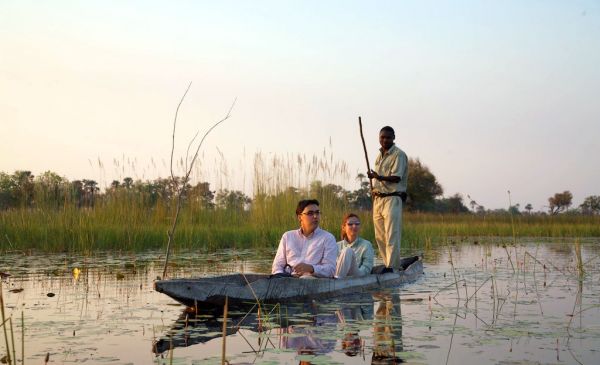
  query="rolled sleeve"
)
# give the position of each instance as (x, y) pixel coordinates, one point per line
(279, 261)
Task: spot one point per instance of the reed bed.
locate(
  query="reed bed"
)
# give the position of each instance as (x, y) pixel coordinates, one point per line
(129, 221)
(137, 228)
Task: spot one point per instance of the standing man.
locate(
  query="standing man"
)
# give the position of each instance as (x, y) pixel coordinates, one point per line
(308, 251)
(389, 192)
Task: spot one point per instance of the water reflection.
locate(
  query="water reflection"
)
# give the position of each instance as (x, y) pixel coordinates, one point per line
(528, 303)
(309, 330)
(387, 331)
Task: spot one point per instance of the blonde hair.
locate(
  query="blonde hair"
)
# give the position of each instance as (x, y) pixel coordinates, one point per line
(344, 221)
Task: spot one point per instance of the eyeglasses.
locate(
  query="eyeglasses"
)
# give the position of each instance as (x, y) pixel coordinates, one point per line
(313, 213)
(353, 224)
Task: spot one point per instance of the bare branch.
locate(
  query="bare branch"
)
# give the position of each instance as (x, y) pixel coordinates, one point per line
(187, 151)
(174, 125)
(181, 190)
(206, 134)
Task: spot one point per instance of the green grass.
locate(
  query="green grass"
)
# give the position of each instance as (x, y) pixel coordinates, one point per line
(127, 226)
(123, 220)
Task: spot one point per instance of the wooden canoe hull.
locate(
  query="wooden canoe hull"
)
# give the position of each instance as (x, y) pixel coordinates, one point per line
(246, 289)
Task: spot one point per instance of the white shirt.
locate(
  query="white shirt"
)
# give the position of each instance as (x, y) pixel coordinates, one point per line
(319, 250)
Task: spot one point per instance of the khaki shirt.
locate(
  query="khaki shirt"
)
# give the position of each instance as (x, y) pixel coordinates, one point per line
(394, 162)
(363, 252)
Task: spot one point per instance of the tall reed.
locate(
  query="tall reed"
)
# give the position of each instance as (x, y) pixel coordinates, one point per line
(126, 220)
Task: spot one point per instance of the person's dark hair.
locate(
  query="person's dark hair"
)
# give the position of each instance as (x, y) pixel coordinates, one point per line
(344, 221)
(387, 128)
(304, 203)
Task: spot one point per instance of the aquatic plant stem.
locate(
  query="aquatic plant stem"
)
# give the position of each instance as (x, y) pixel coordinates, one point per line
(495, 299)
(453, 271)
(183, 184)
(578, 300)
(9, 360)
(446, 287)
(580, 270)
(537, 293)
(12, 338)
(476, 290)
(174, 127)
(512, 221)
(509, 258)
(22, 338)
(453, 328)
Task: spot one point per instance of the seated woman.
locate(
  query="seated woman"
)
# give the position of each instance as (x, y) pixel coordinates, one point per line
(356, 255)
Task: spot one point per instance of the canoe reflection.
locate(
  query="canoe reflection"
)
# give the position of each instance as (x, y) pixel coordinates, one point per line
(308, 329)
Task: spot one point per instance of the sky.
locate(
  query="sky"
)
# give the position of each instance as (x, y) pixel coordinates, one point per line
(491, 95)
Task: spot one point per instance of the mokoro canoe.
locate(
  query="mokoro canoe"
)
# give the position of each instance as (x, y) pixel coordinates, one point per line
(243, 289)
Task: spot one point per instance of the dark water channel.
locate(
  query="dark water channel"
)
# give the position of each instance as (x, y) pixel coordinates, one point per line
(533, 303)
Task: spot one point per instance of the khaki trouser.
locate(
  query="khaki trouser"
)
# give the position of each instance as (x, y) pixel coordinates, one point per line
(387, 221)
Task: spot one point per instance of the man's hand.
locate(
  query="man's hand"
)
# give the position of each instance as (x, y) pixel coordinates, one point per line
(373, 175)
(303, 268)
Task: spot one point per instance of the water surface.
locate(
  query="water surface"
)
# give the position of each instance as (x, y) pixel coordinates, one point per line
(533, 303)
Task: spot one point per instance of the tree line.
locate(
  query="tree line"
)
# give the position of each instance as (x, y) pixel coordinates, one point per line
(425, 194)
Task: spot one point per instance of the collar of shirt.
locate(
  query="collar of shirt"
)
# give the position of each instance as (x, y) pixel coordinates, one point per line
(314, 233)
(384, 152)
(350, 244)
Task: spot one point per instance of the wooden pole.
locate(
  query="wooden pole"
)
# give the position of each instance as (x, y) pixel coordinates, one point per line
(362, 137)
(223, 348)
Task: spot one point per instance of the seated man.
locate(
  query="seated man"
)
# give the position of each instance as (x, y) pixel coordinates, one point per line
(308, 251)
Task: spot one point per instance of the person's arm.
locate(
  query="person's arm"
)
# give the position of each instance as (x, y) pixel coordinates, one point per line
(367, 260)
(392, 178)
(280, 260)
(398, 166)
(326, 267)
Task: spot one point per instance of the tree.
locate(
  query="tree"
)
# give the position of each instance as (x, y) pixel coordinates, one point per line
(8, 198)
(453, 204)
(77, 192)
(361, 198)
(528, 208)
(560, 202)
(423, 187)
(329, 195)
(514, 209)
(127, 182)
(90, 187)
(203, 195)
(473, 204)
(24, 187)
(232, 200)
(50, 189)
(591, 205)
(361, 177)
